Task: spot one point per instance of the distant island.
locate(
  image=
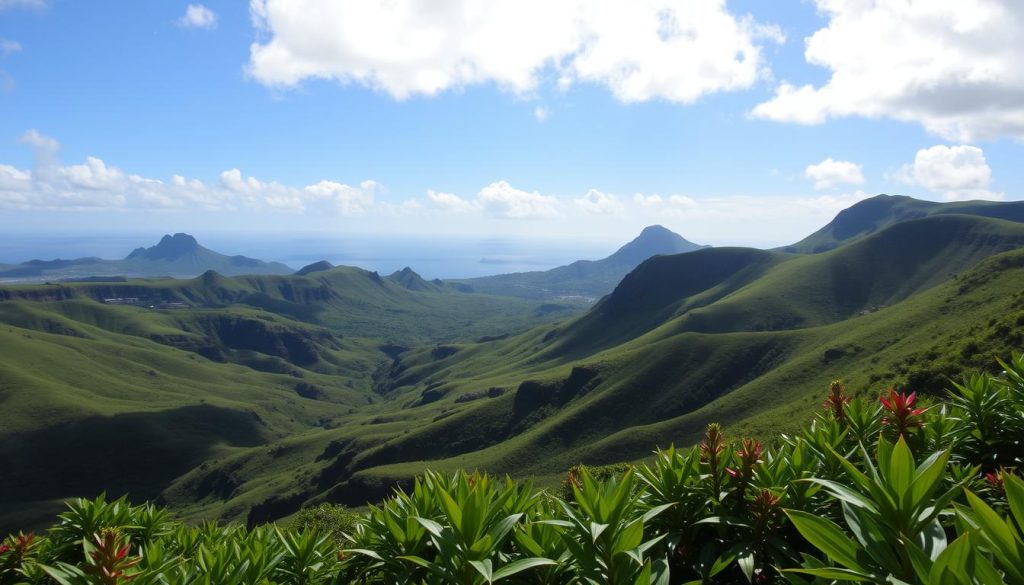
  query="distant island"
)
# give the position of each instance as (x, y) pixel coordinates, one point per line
(178, 256)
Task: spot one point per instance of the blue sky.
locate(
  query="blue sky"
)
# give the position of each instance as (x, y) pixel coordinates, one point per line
(331, 117)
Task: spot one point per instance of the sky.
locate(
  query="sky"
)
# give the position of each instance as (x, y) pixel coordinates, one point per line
(739, 122)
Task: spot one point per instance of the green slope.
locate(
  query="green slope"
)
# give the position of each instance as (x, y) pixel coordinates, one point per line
(879, 212)
(533, 404)
(264, 393)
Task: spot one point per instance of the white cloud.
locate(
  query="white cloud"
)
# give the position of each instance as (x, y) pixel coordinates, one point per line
(644, 50)
(9, 47)
(829, 173)
(349, 200)
(541, 113)
(198, 16)
(953, 66)
(594, 201)
(97, 184)
(958, 172)
(505, 201)
(450, 202)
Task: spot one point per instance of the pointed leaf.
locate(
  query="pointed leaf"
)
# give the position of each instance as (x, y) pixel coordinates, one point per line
(827, 537)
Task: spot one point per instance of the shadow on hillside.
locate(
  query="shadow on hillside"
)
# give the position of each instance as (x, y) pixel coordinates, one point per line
(135, 453)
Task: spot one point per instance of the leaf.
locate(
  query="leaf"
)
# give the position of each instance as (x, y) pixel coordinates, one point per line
(745, 560)
(431, 526)
(955, 560)
(484, 568)
(844, 493)
(828, 538)
(521, 565)
(901, 468)
(927, 477)
(835, 573)
(1015, 496)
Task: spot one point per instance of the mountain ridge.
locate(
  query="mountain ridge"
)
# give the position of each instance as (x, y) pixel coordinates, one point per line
(588, 279)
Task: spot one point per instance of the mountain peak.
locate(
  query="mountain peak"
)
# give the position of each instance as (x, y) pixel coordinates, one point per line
(314, 267)
(408, 278)
(653, 240)
(169, 248)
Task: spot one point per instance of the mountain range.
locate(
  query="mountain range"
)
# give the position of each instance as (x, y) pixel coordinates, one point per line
(179, 255)
(248, 397)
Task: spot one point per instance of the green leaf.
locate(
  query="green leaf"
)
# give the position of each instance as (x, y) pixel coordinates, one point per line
(901, 468)
(521, 565)
(745, 560)
(431, 526)
(835, 573)
(954, 560)
(1015, 496)
(484, 568)
(928, 476)
(828, 538)
(844, 493)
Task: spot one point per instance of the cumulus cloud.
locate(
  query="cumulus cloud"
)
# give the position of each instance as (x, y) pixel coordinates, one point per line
(505, 201)
(198, 16)
(829, 173)
(650, 49)
(450, 202)
(50, 184)
(952, 66)
(594, 201)
(349, 200)
(958, 172)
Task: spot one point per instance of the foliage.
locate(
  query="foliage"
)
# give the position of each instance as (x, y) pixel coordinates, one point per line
(892, 493)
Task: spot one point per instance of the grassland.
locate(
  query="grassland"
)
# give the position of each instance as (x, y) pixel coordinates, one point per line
(267, 393)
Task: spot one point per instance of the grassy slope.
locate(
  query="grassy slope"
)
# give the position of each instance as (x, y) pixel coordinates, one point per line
(746, 337)
(678, 378)
(877, 213)
(227, 376)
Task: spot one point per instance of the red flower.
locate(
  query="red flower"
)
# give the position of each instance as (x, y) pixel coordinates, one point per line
(901, 415)
(996, 479)
(4, 548)
(837, 399)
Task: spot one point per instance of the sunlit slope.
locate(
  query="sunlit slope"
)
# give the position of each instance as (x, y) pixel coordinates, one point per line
(540, 401)
(877, 213)
(665, 387)
(97, 396)
(349, 301)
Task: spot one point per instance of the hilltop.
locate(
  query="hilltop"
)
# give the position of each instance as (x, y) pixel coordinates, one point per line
(881, 211)
(588, 279)
(178, 255)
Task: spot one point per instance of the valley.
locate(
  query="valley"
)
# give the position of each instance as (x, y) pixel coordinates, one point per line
(248, 397)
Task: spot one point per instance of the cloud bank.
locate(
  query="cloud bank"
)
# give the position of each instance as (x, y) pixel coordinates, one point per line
(643, 50)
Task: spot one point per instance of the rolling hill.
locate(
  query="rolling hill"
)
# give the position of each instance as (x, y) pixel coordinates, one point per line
(585, 279)
(266, 393)
(179, 255)
(881, 211)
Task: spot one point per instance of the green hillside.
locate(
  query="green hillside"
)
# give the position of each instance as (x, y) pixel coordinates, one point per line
(584, 279)
(877, 213)
(199, 369)
(262, 394)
